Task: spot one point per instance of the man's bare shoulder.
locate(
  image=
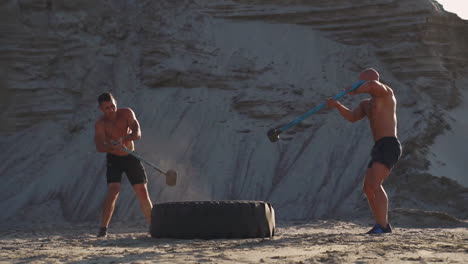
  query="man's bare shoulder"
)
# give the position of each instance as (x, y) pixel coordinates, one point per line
(381, 89)
(125, 111)
(388, 89)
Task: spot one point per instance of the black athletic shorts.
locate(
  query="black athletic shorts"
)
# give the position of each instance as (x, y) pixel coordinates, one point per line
(130, 165)
(387, 151)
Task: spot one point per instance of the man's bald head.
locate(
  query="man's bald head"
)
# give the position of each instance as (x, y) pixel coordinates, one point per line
(369, 75)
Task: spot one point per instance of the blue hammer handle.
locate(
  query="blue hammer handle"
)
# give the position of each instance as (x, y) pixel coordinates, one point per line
(319, 107)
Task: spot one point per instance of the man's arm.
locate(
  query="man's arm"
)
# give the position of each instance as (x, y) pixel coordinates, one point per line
(100, 138)
(134, 126)
(374, 88)
(352, 116)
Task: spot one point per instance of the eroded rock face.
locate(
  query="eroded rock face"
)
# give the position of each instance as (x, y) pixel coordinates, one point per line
(207, 80)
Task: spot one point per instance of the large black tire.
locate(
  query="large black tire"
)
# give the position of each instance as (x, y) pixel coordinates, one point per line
(212, 219)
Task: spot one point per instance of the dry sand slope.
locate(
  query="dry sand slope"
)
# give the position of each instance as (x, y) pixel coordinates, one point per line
(313, 242)
(207, 79)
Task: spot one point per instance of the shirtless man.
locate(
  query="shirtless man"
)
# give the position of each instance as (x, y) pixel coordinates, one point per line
(380, 110)
(121, 126)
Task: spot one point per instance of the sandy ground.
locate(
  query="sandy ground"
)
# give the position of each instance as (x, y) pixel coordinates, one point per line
(313, 242)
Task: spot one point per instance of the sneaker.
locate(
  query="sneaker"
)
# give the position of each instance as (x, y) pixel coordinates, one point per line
(378, 229)
(388, 229)
(102, 232)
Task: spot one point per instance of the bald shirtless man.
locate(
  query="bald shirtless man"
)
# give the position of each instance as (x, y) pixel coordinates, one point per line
(380, 110)
(121, 126)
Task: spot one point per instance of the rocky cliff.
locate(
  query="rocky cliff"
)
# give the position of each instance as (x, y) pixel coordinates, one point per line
(207, 79)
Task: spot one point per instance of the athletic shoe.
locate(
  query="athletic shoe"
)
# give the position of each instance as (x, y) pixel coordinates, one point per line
(102, 232)
(377, 229)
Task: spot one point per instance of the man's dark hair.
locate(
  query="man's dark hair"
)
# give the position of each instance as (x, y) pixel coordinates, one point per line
(105, 97)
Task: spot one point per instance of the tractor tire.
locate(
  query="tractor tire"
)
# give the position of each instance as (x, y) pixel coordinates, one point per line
(213, 220)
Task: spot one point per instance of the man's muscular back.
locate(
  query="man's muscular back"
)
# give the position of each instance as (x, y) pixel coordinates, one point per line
(380, 109)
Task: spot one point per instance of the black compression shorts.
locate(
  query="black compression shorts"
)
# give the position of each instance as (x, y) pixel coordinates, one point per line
(130, 165)
(387, 151)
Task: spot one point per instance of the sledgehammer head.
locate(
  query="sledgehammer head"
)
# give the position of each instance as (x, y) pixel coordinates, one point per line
(273, 134)
(171, 177)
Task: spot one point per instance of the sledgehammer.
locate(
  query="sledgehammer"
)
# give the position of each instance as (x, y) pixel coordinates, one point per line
(171, 175)
(273, 134)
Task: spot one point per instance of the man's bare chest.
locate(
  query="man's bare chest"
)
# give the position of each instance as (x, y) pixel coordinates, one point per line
(116, 128)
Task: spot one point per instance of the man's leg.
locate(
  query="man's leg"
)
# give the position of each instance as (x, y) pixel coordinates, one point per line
(369, 193)
(113, 190)
(141, 191)
(375, 192)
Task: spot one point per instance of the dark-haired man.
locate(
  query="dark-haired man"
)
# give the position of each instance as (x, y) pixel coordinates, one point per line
(380, 110)
(119, 125)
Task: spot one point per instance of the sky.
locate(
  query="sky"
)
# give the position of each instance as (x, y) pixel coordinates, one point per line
(459, 7)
